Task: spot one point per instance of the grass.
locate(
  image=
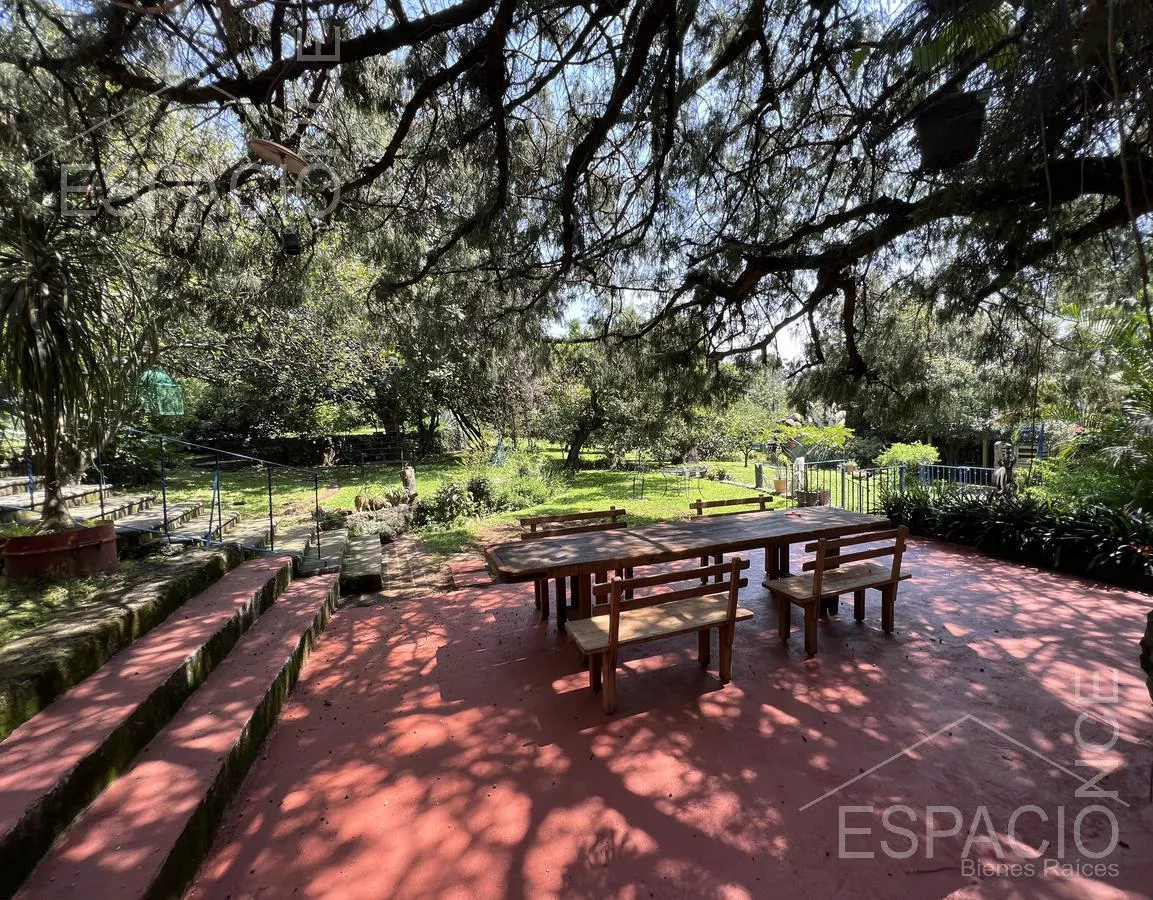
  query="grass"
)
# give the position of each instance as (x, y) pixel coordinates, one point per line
(586, 489)
(25, 605)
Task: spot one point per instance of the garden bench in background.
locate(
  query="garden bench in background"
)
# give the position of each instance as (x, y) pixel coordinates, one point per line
(758, 503)
(676, 608)
(537, 527)
(832, 573)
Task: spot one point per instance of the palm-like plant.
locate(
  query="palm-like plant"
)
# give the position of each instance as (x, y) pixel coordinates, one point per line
(72, 347)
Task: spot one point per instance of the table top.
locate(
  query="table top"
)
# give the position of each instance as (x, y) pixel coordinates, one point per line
(641, 545)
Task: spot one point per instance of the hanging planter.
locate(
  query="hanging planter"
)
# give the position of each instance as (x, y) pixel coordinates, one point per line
(278, 155)
(290, 243)
(948, 129)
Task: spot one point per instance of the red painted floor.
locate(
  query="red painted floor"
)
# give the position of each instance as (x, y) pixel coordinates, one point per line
(450, 748)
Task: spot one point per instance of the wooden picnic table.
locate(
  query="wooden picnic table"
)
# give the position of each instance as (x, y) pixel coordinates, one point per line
(586, 555)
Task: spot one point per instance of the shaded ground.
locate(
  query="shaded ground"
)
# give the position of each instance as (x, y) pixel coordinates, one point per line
(448, 746)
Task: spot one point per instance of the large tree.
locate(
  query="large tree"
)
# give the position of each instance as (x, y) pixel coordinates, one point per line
(747, 165)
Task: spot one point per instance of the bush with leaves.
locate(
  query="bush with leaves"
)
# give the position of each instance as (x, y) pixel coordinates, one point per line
(1085, 537)
(914, 454)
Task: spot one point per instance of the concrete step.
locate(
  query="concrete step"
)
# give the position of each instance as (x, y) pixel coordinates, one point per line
(324, 557)
(114, 508)
(14, 485)
(54, 764)
(73, 495)
(147, 833)
(144, 527)
(209, 525)
(360, 566)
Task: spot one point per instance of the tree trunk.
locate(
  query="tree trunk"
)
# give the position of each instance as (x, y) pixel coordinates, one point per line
(577, 443)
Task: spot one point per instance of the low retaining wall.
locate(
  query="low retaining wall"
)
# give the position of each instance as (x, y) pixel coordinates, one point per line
(40, 666)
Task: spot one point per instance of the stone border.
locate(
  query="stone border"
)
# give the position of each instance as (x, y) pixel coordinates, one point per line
(42, 665)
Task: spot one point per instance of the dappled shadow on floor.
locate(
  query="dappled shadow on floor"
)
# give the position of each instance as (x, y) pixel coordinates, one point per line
(449, 746)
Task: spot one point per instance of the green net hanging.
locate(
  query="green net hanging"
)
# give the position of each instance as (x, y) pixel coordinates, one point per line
(160, 394)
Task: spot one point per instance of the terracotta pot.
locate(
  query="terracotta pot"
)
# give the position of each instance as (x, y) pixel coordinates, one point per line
(781, 485)
(62, 554)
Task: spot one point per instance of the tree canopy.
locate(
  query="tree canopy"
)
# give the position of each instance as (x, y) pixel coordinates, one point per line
(745, 167)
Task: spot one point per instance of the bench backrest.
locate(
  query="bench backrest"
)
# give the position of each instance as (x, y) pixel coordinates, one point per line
(760, 501)
(575, 529)
(685, 584)
(829, 556)
(554, 523)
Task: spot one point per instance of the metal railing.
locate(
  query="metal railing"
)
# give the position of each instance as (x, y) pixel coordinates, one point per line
(836, 483)
(174, 470)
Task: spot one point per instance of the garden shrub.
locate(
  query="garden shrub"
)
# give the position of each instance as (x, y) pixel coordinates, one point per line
(1116, 543)
(451, 503)
(914, 454)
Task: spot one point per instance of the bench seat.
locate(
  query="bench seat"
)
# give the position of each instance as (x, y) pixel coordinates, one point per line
(653, 622)
(799, 588)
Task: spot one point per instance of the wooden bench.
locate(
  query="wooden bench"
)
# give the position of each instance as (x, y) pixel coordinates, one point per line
(832, 573)
(759, 503)
(623, 622)
(565, 524)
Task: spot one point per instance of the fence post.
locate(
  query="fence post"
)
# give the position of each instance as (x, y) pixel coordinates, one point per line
(271, 525)
(164, 491)
(100, 477)
(31, 477)
(316, 509)
(901, 479)
(844, 481)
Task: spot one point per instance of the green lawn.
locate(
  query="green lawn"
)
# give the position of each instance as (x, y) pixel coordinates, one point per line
(577, 491)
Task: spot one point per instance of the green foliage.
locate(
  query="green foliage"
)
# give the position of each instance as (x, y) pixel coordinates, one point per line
(814, 442)
(914, 454)
(1075, 537)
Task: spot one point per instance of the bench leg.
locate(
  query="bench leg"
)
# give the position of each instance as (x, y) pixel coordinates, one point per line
(784, 615)
(811, 628)
(718, 559)
(704, 646)
(704, 562)
(561, 615)
(725, 633)
(830, 606)
(888, 602)
(536, 593)
(595, 673)
(609, 678)
(859, 605)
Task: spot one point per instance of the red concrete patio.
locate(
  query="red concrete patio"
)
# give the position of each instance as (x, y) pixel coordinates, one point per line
(449, 747)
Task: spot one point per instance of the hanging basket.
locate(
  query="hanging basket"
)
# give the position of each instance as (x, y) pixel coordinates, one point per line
(290, 243)
(278, 155)
(948, 128)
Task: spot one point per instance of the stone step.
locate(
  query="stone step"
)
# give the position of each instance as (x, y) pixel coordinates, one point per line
(146, 835)
(210, 525)
(324, 557)
(14, 485)
(115, 508)
(144, 527)
(54, 764)
(360, 566)
(72, 494)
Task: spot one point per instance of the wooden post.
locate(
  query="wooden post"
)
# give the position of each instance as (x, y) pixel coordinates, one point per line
(704, 646)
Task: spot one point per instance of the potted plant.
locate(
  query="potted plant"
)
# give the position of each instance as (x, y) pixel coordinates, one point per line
(73, 346)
